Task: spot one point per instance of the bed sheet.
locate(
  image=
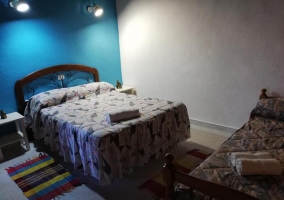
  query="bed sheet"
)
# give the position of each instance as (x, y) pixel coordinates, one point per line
(257, 135)
(79, 131)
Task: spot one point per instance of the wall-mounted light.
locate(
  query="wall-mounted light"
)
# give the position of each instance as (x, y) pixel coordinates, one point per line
(20, 5)
(98, 11)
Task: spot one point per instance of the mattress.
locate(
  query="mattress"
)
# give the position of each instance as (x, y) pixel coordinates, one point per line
(73, 122)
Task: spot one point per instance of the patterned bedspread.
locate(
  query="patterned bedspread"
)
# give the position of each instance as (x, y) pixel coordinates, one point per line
(73, 121)
(263, 133)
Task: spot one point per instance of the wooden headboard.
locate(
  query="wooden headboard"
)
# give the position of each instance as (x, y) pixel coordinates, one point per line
(50, 70)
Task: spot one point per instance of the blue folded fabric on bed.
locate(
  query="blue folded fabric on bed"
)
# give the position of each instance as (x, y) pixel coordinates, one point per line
(122, 115)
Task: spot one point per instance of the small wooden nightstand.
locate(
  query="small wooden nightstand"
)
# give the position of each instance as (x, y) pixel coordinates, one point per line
(14, 137)
(126, 89)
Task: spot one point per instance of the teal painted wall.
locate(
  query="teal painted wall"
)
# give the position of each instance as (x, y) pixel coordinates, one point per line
(56, 32)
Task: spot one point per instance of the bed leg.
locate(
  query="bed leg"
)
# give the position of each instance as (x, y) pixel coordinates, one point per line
(168, 176)
(191, 193)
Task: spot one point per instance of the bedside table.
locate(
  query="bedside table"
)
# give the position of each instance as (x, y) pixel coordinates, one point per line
(14, 137)
(126, 89)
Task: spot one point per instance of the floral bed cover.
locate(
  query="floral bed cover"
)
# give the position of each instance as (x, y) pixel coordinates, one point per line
(263, 133)
(73, 121)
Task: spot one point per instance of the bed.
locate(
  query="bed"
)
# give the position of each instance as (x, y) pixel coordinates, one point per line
(217, 178)
(72, 120)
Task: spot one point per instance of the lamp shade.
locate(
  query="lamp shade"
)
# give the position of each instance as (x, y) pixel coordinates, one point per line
(20, 5)
(98, 11)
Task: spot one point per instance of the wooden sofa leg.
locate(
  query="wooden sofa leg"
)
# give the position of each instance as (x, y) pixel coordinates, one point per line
(168, 176)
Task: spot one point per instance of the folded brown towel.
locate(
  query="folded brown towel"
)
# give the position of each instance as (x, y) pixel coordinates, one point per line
(258, 155)
(246, 166)
(122, 114)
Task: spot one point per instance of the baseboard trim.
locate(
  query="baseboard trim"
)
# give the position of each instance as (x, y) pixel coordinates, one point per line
(217, 129)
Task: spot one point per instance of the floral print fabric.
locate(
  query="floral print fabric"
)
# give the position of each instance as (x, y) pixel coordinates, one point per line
(258, 135)
(57, 97)
(270, 108)
(79, 131)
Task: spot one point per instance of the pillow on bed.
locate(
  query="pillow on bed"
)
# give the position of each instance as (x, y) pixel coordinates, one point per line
(270, 108)
(62, 95)
(95, 89)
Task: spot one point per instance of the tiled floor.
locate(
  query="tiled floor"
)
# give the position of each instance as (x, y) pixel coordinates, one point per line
(125, 188)
(207, 137)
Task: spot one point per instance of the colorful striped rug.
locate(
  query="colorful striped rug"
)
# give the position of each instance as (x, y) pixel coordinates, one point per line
(186, 164)
(42, 178)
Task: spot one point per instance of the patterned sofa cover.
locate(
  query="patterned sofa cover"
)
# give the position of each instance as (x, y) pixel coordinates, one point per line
(263, 132)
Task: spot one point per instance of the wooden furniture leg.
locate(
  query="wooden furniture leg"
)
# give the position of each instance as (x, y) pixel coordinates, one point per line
(168, 176)
(1, 155)
(21, 129)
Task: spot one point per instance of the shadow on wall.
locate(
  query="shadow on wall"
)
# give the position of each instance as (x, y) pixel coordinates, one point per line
(122, 4)
(275, 94)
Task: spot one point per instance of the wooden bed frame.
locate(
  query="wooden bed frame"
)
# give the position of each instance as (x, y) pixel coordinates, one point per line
(264, 96)
(210, 189)
(50, 70)
(19, 85)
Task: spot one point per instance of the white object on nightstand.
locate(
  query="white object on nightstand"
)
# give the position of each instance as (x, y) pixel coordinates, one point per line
(126, 89)
(14, 137)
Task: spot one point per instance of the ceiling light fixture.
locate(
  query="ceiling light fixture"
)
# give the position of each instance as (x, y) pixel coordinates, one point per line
(20, 5)
(98, 11)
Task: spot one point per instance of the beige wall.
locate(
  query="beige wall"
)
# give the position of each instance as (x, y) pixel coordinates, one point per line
(213, 55)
